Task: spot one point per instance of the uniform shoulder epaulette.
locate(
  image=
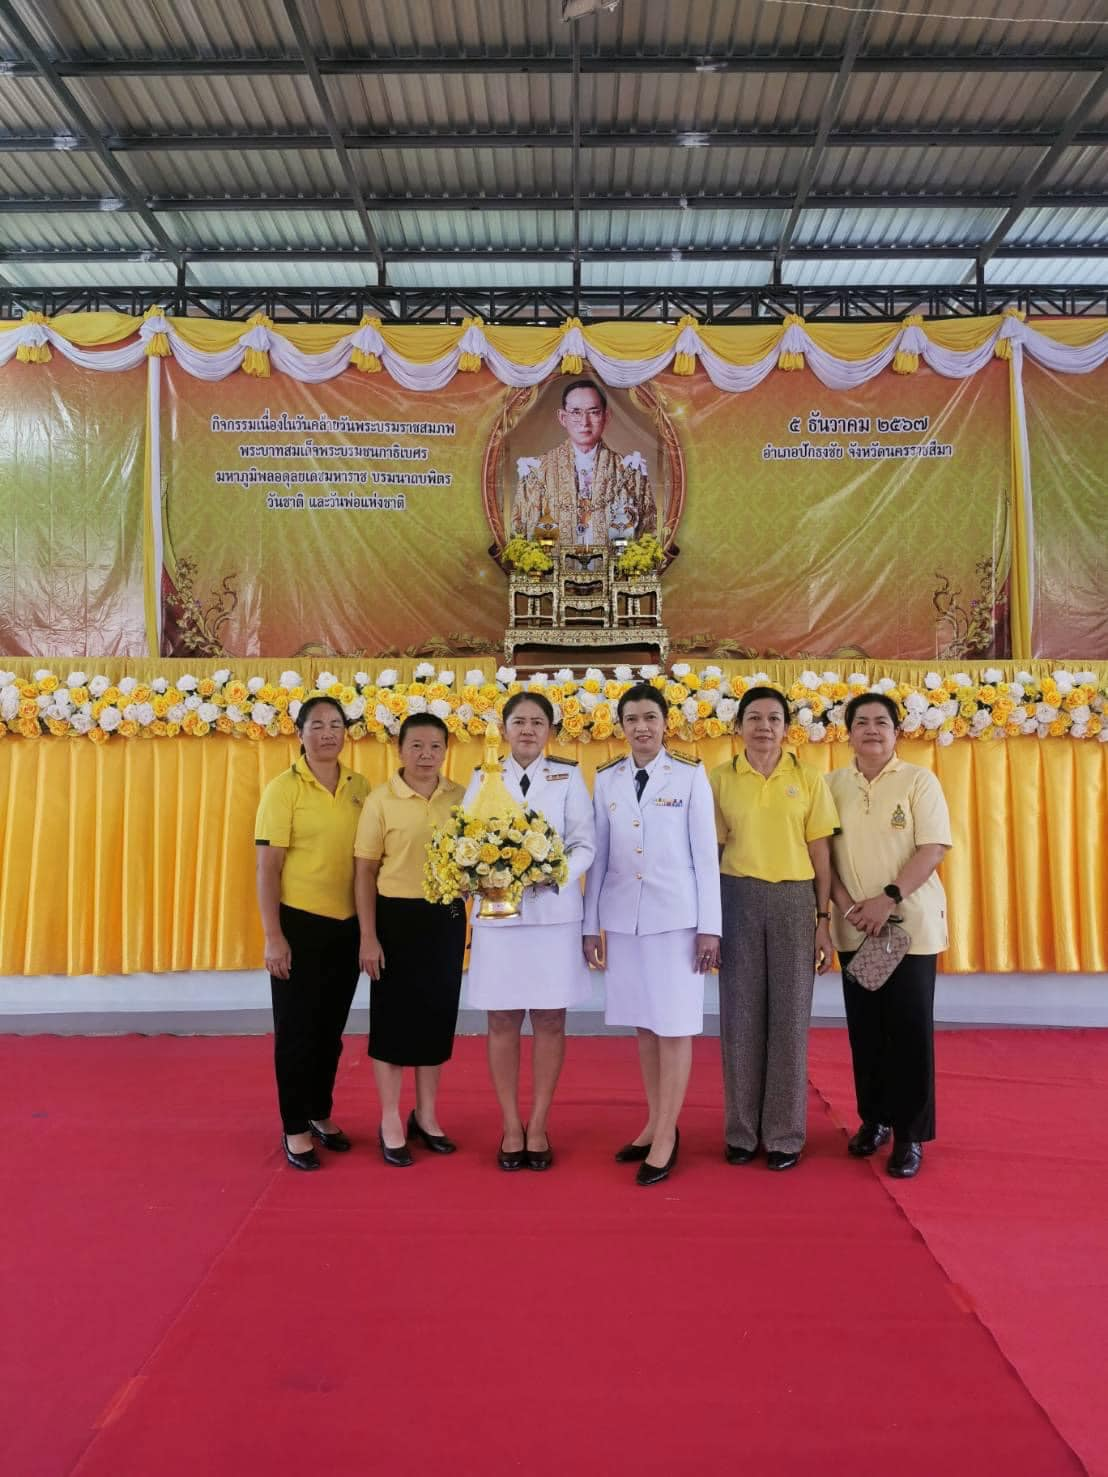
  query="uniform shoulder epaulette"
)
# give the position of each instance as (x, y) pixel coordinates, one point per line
(683, 758)
(560, 760)
(600, 768)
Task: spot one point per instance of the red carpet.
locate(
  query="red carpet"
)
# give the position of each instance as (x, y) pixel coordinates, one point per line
(177, 1301)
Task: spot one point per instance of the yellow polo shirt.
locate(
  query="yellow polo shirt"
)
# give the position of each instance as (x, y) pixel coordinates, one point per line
(317, 830)
(395, 829)
(764, 823)
(882, 822)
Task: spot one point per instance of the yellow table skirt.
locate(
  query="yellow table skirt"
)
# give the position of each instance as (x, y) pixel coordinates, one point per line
(139, 856)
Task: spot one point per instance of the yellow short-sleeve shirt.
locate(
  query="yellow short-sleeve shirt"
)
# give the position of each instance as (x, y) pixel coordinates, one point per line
(317, 830)
(882, 823)
(395, 829)
(764, 823)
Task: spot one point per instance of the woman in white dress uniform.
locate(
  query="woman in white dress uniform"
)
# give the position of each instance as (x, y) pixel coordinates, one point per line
(533, 962)
(654, 889)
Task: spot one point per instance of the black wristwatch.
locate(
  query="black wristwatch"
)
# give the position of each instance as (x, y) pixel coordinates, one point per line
(894, 892)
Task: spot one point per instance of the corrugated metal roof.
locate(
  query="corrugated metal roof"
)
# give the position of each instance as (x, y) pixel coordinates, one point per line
(675, 274)
(874, 272)
(895, 228)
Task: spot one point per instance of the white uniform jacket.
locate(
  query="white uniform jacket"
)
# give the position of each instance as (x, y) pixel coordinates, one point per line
(558, 792)
(656, 865)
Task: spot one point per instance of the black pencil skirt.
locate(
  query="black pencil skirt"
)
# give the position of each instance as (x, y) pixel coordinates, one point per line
(413, 1007)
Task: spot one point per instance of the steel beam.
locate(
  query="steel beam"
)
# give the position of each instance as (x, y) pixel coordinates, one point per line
(560, 64)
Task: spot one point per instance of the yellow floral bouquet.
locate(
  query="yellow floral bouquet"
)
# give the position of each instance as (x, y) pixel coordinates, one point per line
(641, 556)
(502, 855)
(526, 555)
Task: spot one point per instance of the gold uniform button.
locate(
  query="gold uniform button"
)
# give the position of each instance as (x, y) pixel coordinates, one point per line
(639, 850)
(636, 823)
(638, 876)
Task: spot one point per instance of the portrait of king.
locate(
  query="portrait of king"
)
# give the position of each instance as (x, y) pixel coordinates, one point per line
(581, 491)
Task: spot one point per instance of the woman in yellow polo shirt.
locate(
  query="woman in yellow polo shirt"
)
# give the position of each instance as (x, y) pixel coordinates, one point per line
(304, 835)
(411, 949)
(773, 818)
(895, 830)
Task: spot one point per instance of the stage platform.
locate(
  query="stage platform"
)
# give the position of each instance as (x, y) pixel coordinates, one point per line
(179, 1301)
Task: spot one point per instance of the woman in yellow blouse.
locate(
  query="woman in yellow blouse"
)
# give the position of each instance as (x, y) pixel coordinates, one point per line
(304, 835)
(894, 832)
(411, 949)
(773, 818)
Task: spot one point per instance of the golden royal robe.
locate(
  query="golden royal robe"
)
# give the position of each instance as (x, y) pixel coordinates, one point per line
(620, 491)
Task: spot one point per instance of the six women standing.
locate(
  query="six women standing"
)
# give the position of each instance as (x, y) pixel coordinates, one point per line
(655, 890)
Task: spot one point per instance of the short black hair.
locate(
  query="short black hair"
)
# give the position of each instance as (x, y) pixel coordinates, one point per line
(864, 698)
(313, 702)
(642, 692)
(422, 720)
(583, 385)
(755, 694)
(528, 697)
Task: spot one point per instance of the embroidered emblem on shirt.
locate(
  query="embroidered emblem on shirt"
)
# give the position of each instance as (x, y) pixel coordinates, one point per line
(673, 803)
(900, 820)
(792, 792)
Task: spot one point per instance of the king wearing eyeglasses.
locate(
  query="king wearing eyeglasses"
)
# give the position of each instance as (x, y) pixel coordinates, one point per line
(591, 493)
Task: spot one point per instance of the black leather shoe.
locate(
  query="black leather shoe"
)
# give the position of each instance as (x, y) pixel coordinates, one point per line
(905, 1160)
(309, 1159)
(632, 1153)
(337, 1142)
(869, 1139)
(438, 1143)
(653, 1174)
(539, 1158)
(778, 1159)
(398, 1158)
(734, 1155)
(510, 1159)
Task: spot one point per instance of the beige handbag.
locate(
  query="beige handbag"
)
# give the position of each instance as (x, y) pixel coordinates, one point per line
(879, 955)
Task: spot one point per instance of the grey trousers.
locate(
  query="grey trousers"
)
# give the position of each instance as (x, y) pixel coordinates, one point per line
(766, 977)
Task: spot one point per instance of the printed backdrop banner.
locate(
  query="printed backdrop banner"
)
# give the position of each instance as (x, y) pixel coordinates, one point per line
(71, 511)
(355, 516)
(1067, 434)
(872, 521)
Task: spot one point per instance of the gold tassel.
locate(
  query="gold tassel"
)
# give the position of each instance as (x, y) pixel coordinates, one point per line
(470, 363)
(367, 363)
(256, 362)
(1003, 346)
(685, 363)
(34, 353)
(903, 361)
(572, 363)
(788, 359)
(157, 345)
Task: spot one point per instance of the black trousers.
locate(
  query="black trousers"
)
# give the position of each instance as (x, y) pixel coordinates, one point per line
(309, 1013)
(892, 1044)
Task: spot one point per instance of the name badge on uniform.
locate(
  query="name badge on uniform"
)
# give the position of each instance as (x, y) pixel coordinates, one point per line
(899, 820)
(559, 775)
(673, 803)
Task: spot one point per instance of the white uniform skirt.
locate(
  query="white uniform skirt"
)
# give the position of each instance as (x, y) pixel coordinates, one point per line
(651, 981)
(527, 966)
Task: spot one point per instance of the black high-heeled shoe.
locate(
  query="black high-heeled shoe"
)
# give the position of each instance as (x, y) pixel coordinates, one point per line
(654, 1174)
(398, 1158)
(538, 1158)
(307, 1159)
(632, 1153)
(438, 1143)
(337, 1141)
(511, 1159)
